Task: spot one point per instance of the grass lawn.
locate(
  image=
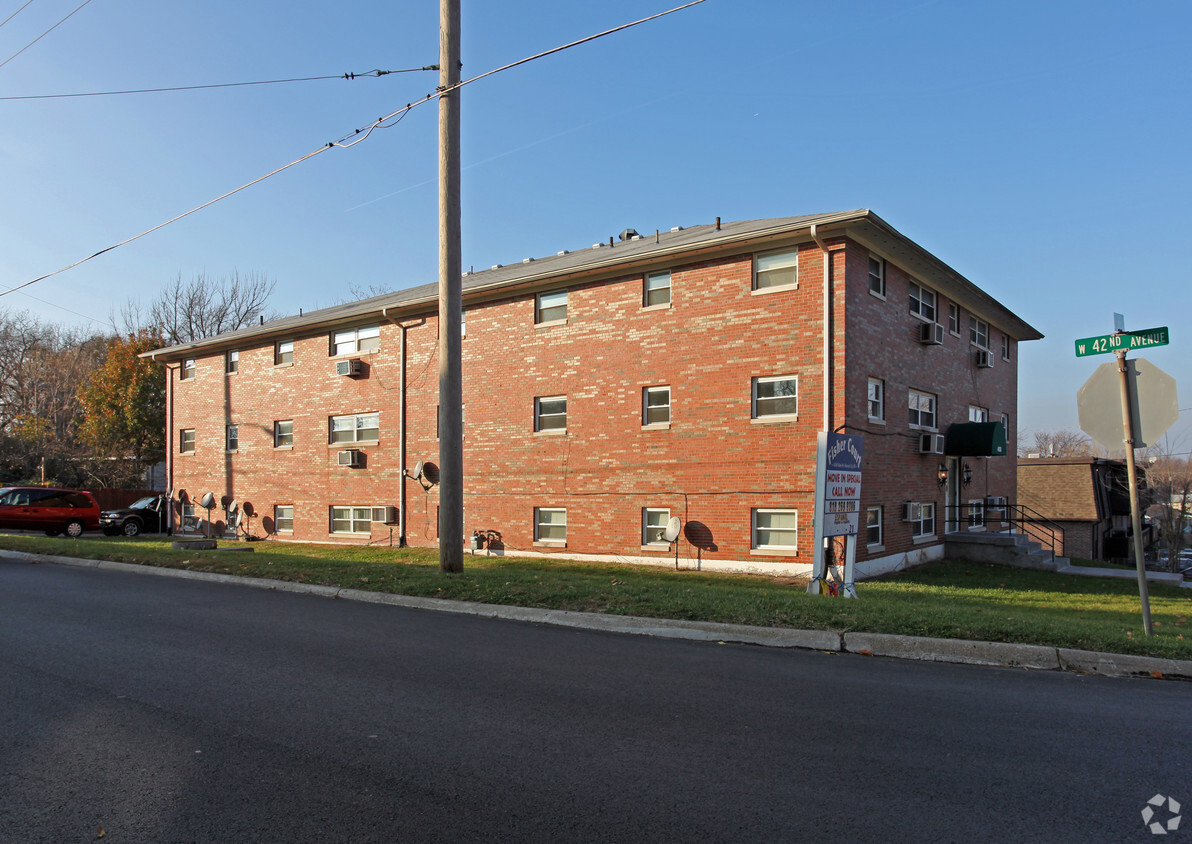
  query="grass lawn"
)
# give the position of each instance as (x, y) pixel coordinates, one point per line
(950, 600)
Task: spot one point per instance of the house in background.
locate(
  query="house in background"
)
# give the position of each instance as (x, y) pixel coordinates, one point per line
(1088, 498)
(683, 373)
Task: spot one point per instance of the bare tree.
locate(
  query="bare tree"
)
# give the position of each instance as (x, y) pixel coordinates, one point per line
(1061, 443)
(188, 311)
(1169, 482)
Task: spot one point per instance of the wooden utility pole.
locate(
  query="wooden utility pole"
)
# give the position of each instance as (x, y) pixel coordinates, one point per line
(451, 443)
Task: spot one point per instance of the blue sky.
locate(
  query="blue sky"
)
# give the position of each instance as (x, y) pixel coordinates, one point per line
(1040, 148)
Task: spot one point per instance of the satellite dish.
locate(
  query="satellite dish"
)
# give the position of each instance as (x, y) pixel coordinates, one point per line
(207, 501)
(672, 529)
(418, 470)
(248, 509)
(183, 496)
(233, 506)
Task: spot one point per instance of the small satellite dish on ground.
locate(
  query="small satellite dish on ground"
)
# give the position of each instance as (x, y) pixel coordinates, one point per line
(207, 501)
(672, 529)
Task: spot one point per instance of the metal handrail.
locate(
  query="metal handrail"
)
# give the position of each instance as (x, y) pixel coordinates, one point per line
(1021, 518)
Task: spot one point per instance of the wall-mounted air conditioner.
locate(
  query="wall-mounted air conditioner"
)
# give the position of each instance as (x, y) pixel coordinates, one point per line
(996, 502)
(983, 359)
(912, 511)
(350, 367)
(931, 443)
(386, 515)
(931, 334)
(350, 457)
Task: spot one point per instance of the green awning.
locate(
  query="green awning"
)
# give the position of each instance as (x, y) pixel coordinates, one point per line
(976, 439)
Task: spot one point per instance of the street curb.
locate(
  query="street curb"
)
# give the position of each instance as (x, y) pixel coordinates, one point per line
(893, 645)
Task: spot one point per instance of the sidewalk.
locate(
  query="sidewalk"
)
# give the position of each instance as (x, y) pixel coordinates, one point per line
(1040, 657)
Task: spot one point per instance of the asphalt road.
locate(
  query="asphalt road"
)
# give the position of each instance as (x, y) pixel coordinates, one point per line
(165, 710)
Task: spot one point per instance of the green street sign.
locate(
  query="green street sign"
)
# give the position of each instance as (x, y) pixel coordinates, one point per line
(1122, 341)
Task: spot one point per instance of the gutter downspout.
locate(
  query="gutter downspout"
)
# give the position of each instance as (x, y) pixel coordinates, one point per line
(401, 435)
(827, 327)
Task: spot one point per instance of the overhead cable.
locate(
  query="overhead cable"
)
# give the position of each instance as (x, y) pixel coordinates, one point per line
(376, 74)
(14, 14)
(358, 135)
(43, 35)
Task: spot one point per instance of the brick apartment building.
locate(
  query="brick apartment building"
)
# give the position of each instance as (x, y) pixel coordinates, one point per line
(682, 373)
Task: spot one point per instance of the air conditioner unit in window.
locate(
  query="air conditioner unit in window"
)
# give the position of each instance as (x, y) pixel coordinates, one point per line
(351, 367)
(995, 502)
(983, 359)
(386, 515)
(931, 443)
(911, 511)
(350, 457)
(931, 334)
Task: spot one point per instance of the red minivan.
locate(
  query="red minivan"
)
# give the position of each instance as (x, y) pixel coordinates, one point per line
(55, 511)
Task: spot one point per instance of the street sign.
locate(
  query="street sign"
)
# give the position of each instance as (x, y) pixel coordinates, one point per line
(1122, 341)
(1154, 407)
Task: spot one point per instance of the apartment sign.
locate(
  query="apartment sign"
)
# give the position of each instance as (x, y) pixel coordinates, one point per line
(841, 485)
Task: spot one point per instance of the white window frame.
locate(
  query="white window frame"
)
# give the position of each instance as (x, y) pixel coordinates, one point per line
(978, 414)
(357, 426)
(975, 517)
(551, 418)
(654, 522)
(926, 517)
(279, 436)
(915, 401)
(1006, 347)
(539, 525)
(875, 400)
(954, 319)
(654, 285)
(923, 302)
(647, 394)
(278, 518)
(187, 520)
(187, 371)
(877, 275)
(872, 522)
(283, 353)
(757, 400)
(978, 333)
(777, 265)
(758, 543)
(232, 362)
(183, 440)
(356, 341)
(232, 437)
(548, 309)
(351, 515)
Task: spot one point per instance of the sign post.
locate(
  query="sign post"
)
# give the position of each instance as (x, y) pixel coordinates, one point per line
(837, 509)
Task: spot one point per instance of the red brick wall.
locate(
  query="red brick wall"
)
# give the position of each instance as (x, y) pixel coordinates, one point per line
(711, 466)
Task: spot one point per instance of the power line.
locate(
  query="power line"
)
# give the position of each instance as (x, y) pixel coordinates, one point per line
(43, 35)
(343, 142)
(14, 14)
(376, 74)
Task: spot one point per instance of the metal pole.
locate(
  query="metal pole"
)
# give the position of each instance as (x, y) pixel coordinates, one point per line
(451, 446)
(402, 456)
(1132, 478)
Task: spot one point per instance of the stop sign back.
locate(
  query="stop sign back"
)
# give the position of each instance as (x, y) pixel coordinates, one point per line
(1153, 401)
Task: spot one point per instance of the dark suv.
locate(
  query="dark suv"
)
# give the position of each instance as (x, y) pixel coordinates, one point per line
(145, 515)
(55, 511)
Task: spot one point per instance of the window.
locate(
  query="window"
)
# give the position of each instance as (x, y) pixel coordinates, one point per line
(776, 269)
(776, 395)
(550, 524)
(189, 520)
(656, 406)
(922, 520)
(283, 433)
(979, 332)
(877, 275)
(877, 400)
(954, 318)
(657, 289)
(357, 428)
(232, 362)
(776, 529)
(188, 370)
(233, 437)
(873, 525)
(356, 340)
(1005, 347)
(976, 512)
(922, 409)
(654, 521)
(186, 440)
(283, 518)
(978, 414)
(463, 323)
(283, 353)
(351, 519)
(550, 307)
(923, 302)
(550, 413)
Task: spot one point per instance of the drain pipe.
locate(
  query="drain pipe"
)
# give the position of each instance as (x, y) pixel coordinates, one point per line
(401, 436)
(827, 327)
